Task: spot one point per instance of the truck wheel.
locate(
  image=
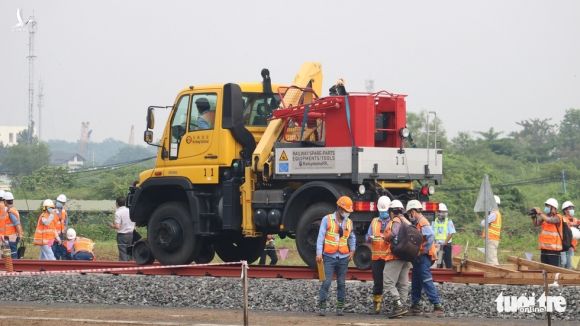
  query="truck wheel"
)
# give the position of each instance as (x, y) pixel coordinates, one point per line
(170, 234)
(307, 231)
(206, 252)
(142, 253)
(248, 249)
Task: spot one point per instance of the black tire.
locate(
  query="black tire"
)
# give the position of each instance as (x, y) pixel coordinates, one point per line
(206, 253)
(142, 253)
(240, 248)
(363, 257)
(307, 231)
(171, 236)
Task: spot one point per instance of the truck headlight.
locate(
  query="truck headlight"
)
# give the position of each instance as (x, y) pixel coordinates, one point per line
(362, 189)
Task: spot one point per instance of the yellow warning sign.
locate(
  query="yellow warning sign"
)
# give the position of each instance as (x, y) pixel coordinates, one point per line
(283, 156)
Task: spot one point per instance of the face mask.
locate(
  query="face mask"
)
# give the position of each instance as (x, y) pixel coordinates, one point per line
(49, 210)
(571, 212)
(383, 215)
(547, 210)
(442, 216)
(345, 214)
(59, 205)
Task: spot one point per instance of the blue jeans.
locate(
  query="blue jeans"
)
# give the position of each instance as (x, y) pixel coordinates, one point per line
(423, 279)
(566, 258)
(14, 249)
(59, 251)
(332, 266)
(83, 255)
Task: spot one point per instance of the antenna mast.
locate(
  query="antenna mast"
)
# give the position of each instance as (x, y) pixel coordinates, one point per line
(30, 26)
(40, 104)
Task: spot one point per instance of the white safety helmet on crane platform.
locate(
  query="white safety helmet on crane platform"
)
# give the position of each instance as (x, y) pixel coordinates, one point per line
(414, 204)
(396, 204)
(71, 234)
(497, 200)
(443, 207)
(61, 198)
(8, 196)
(383, 203)
(565, 205)
(552, 202)
(48, 203)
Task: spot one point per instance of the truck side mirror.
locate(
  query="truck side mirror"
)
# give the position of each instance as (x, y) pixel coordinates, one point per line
(150, 118)
(233, 106)
(148, 136)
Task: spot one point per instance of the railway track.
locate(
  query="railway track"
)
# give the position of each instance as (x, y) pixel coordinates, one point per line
(232, 270)
(477, 273)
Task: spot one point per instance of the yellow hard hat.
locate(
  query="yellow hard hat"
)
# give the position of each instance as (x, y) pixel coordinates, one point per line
(345, 203)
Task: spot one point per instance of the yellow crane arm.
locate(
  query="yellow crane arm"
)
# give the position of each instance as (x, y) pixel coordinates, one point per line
(309, 75)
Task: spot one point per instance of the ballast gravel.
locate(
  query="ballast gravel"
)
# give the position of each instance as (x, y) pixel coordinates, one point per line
(460, 301)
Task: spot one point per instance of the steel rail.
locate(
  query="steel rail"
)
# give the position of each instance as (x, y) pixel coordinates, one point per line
(255, 271)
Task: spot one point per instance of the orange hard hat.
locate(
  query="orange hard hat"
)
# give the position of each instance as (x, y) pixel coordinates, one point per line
(345, 203)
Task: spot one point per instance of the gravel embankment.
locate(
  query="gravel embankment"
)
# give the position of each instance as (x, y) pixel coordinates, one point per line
(265, 294)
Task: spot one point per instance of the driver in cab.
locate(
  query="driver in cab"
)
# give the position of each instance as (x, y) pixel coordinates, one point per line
(205, 117)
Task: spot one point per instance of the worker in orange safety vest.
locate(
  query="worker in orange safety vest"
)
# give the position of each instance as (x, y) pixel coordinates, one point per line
(45, 234)
(566, 256)
(11, 224)
(60, 224)
(379, 249)
(550, 238)
(335, 247)
(78, 248)
(422, 277)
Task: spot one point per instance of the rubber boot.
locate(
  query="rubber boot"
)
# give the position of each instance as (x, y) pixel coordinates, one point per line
(398, 310)
(377, 304)
(340, 308)
(322, 308)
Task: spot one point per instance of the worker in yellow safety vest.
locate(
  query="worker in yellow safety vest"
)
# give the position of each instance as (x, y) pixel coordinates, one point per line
(78, 248)
(379, 247)
(494, 219)
(335, 247)
(444, 230)
(550, 238)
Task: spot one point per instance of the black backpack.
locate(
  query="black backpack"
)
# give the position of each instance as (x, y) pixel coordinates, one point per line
(407, 243)
(566, 236)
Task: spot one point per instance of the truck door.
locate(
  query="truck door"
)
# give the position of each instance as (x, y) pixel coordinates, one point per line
(198, 142)
(178, 126)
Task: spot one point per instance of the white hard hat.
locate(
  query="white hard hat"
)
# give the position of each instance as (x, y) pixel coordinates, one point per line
(383, 203)
(414, 204)
(8, 196)
(397, 204)
(48, 203)
(442, 207)
(552, 202)
(61, 198)
(71, 234)
(497, 200)
(2, 193)
(565, 205)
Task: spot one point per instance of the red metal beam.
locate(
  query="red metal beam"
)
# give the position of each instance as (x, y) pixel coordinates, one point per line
(255, 271)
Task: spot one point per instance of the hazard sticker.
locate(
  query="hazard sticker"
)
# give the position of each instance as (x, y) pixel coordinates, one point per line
(283, 156)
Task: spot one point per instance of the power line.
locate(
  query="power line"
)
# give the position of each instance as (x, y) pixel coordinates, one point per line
(523, 182)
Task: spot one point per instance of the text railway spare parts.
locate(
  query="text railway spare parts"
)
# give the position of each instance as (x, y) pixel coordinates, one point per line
(239, 161)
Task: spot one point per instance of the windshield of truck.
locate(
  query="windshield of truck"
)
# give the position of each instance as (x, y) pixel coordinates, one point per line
(258, 108)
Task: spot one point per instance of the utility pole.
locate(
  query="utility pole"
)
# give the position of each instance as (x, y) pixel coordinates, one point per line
(40, 104)
(30, 26)
(564, 181)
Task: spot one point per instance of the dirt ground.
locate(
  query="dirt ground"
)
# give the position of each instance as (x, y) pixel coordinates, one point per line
(16, 314)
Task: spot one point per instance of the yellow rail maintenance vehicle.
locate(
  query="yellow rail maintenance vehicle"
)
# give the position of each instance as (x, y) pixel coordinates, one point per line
(239, 161)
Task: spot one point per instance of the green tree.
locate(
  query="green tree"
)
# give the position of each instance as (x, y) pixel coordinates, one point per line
(569, 134)
(22, 158)
(417, 124)
(490, 135)
(538, 139)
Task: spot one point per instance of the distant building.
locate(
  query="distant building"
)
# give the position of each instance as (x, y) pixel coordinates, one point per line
(73, 161)
(8, 134)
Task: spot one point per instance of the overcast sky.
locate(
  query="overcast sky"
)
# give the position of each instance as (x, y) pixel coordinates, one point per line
(479, 64)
